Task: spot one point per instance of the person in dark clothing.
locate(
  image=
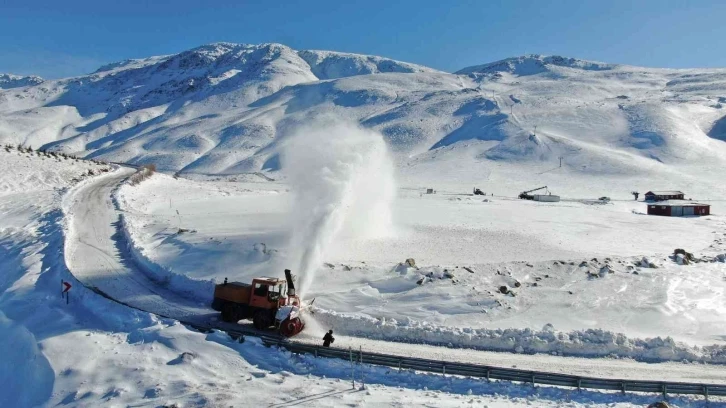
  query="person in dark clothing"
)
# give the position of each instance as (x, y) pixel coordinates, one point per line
(328, 338)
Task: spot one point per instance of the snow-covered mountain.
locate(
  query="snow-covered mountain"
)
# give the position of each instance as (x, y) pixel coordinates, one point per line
(8, 81)
(223, 108)
(535, 64)
(332, 65)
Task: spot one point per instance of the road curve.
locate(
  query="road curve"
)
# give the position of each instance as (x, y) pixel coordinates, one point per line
(96, 253)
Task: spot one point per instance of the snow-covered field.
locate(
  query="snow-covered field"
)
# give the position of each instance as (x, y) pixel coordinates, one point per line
(238, 230)
(94, 352)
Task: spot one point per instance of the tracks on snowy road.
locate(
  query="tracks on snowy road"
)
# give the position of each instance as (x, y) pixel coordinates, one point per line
(97, 255)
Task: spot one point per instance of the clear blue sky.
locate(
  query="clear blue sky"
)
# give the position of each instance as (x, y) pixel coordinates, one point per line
(57, 38)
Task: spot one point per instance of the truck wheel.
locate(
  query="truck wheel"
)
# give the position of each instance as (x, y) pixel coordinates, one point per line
(228, 314)
(261, 320)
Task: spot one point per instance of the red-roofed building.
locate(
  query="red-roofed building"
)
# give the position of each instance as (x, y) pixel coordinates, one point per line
(664, 195)
(678, 208)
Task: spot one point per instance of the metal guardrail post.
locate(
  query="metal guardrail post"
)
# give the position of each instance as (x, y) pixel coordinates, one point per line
(362, 373)
(489, 371)
(352, 369)
(579, 384)
(622, 387)
(534, 379)
(665, 391)
(705, 391)
(399, 363)
(444, 369)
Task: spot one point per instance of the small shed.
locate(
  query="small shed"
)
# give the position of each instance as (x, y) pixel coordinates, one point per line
(664, 195)
(678, 208)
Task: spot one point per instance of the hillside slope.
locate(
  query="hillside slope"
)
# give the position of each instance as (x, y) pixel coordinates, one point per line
(224, 108)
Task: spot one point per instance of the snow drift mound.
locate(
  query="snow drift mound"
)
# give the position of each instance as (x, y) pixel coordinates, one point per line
(578, 343)
(25, 374)
(718, 131)
(202, 290)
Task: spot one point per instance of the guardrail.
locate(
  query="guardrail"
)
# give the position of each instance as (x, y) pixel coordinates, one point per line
(498, 373)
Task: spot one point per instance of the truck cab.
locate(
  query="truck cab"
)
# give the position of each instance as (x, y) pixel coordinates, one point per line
(266, 292)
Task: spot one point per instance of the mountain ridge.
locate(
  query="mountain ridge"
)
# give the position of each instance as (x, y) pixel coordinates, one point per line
(531, 64)
(8, 81)
(311, 55)
(226, 107)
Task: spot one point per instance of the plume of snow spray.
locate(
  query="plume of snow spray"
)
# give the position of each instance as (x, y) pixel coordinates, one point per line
(342, 182)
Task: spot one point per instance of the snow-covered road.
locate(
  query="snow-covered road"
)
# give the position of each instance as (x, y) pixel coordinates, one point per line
(96, 253)
(587, 367)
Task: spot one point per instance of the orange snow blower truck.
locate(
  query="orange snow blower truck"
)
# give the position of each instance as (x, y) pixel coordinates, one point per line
(267, 301)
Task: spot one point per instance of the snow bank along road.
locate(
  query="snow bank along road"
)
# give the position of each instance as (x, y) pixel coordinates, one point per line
(97, 255)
